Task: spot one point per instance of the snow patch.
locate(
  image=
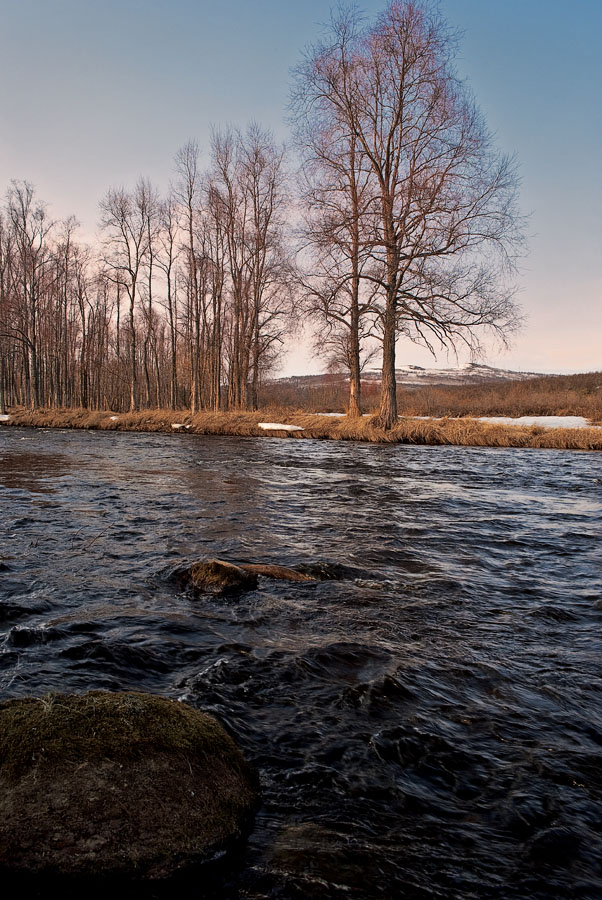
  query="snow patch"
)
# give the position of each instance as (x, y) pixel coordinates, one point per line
(541, 421)
(278, 426)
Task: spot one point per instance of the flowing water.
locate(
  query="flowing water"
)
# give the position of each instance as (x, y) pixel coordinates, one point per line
(426, 719)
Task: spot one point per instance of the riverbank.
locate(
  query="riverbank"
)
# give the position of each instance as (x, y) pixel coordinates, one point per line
(463, 432)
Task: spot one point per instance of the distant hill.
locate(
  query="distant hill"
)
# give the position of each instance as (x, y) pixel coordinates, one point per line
(417, 376)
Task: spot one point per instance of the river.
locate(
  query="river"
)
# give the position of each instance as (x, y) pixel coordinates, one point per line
(426, 719)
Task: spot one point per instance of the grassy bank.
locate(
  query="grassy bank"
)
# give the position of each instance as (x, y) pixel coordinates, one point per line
(460, 432)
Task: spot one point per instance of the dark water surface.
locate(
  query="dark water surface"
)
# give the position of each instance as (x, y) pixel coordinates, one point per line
(426, 725)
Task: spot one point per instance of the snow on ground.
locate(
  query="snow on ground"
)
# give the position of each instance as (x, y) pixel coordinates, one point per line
(542, 421)
(278, 426)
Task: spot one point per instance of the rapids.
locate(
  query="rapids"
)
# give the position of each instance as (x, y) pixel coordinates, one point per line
(426, 718)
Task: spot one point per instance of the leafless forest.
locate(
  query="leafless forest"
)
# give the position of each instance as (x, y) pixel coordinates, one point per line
(182, 304)
(394, 216)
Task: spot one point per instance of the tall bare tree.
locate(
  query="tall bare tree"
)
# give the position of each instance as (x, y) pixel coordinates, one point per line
(443, 200)
(264, 182)
(249, 196)
(187, 192)
(167, 258)
(336, 203)
(31, 228)
(125, 250)
(216, 246)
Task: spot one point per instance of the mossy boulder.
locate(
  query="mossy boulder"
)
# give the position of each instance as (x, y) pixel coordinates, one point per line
(127, 785)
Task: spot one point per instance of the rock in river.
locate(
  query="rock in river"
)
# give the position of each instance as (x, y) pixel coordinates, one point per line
(117, 785)
(216, 576)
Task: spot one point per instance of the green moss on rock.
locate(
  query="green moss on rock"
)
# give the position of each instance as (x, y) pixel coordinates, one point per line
(105, 784)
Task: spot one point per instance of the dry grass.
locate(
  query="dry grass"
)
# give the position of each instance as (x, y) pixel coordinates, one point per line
(463, 432)
(552, 395)
(549, 395)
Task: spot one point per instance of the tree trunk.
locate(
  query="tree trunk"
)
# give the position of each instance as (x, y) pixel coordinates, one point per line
(133, 385)
(355, 385)
(387, 414)
(2, 386)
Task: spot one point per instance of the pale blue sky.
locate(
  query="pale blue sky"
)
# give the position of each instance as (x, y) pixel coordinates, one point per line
(97, 92)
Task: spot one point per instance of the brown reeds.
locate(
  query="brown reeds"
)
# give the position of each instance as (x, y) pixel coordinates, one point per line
(465, 432)
(548, 395)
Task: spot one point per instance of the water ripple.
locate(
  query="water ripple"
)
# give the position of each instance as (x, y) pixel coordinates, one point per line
(426, 718)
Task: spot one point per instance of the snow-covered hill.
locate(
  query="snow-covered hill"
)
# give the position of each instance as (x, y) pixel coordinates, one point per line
(476, 373)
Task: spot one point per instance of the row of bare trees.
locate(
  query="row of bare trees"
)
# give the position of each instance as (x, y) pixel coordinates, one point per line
(184, 303)
(409, 228)
(53, 318)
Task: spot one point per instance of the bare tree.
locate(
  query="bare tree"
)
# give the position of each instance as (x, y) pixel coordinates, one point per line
(233, 205)
(31, 228)
(147, 200)
(7, 349)
(442, 203)
(125, 249)
(336, 204)
(264, 182)
(247, 187)
(187, 192)
(166, 259)
(216, 247)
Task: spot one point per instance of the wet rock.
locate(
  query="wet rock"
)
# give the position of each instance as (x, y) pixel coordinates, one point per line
(123, 785)
(282, 573)
(216, 576)
(331, 572)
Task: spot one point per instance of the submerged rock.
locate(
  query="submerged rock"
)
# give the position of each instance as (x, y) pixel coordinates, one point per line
(281, 573)
(125, 785)
(323, 856)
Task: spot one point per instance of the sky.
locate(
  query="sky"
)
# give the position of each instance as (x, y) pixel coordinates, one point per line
(95, 93)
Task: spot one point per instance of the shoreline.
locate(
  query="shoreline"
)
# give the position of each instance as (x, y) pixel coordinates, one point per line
(462, 432)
